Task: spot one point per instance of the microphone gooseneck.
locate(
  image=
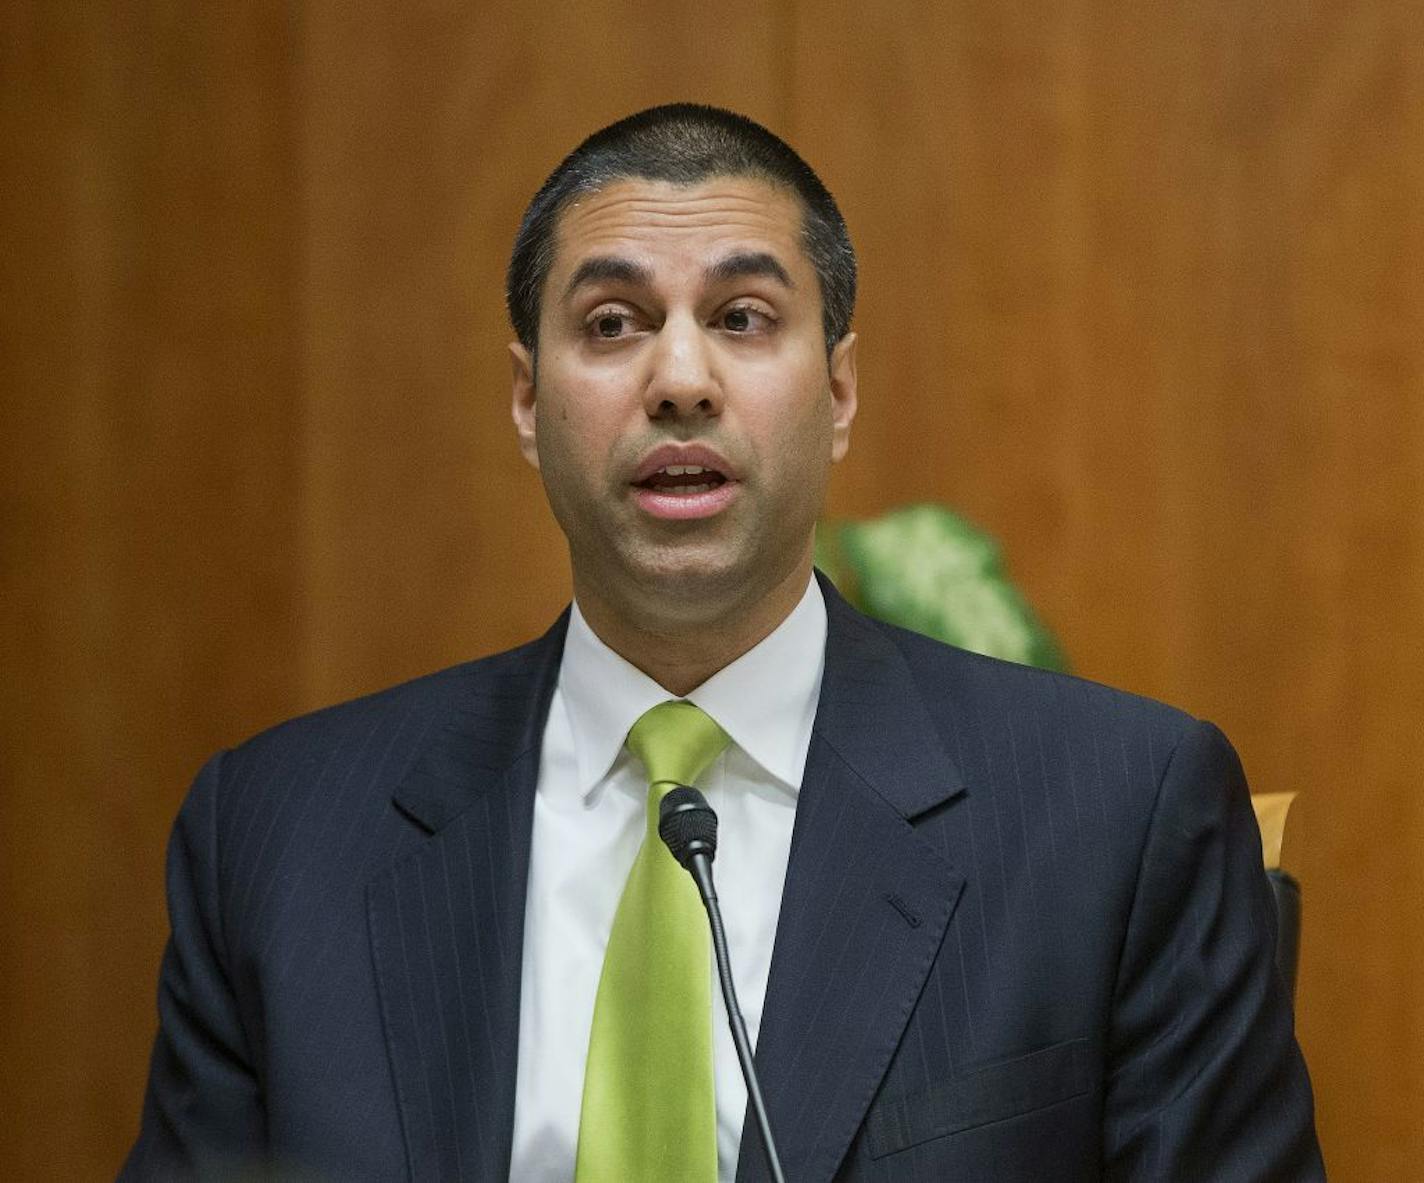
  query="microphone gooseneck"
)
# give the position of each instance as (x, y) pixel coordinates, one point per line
(688, 825)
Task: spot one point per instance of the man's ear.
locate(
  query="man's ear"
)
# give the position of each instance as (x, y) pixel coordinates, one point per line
(843, 394)
(522, 404)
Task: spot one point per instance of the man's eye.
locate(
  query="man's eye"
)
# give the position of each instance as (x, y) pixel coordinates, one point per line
(610, 324)
(744, 320)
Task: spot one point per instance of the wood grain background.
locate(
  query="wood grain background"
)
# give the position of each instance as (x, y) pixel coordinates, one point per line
(1142, 295)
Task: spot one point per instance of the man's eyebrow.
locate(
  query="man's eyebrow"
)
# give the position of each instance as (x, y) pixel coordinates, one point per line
(607, 269)
(749, 263)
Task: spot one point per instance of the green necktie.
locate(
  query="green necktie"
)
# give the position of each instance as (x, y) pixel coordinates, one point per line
(649, 1105)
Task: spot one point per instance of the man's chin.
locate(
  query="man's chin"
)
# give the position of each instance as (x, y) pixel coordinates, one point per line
(701, 587)
(686, 583)
(660, 582)
(691, 581)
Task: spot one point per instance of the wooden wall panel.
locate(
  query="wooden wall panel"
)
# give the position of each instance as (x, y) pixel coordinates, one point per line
(148, 463)
(1145, 283)
(1142, 294)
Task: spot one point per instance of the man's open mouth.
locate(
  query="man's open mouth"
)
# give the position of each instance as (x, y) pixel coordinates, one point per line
(683, 479)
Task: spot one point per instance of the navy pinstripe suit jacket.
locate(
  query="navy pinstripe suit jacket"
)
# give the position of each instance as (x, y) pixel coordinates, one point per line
(1025, 934)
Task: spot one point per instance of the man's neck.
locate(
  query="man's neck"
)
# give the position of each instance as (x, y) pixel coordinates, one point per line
(680, 658)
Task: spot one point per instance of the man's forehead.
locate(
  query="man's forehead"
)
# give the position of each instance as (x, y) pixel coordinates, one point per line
(692, 222)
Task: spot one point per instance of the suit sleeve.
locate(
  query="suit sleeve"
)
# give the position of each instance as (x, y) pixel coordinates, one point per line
(1206, 1081)
(202, 1113)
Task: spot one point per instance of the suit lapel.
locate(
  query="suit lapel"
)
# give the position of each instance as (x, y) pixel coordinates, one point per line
(865, 905)
(447, 921)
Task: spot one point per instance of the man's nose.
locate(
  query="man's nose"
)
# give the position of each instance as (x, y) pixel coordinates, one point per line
(684, 378)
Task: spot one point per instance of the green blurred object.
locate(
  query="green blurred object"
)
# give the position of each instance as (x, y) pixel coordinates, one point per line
(925, 568)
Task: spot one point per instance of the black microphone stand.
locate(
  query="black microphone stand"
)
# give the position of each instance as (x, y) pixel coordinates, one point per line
(689, 827)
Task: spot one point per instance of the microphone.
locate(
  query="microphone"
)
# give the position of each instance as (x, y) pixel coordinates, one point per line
(688, 825)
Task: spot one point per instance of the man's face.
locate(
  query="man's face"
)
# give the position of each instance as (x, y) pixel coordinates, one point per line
(685, 415)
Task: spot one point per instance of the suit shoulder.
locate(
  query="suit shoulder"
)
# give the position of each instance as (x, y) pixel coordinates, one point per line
(994, 687)
(1072, 747)
(500, 681)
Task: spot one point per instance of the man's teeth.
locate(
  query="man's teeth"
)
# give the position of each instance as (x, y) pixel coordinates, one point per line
(686, 470)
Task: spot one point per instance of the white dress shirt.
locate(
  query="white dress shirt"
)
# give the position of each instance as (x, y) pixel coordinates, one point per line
(589, 816)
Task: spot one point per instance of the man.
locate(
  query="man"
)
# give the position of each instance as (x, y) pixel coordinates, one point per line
(986, 922)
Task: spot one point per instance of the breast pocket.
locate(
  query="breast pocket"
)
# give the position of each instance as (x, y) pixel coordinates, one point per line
(1011, 1088)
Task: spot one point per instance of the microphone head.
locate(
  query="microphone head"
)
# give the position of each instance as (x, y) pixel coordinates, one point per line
(687, 824)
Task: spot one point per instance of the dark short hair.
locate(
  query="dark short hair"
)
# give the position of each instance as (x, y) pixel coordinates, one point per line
(683, 143)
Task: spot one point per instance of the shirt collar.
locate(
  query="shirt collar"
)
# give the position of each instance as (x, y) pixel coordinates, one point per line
(765, 700)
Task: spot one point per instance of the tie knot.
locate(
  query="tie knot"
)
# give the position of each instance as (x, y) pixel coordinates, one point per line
(676, 742)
